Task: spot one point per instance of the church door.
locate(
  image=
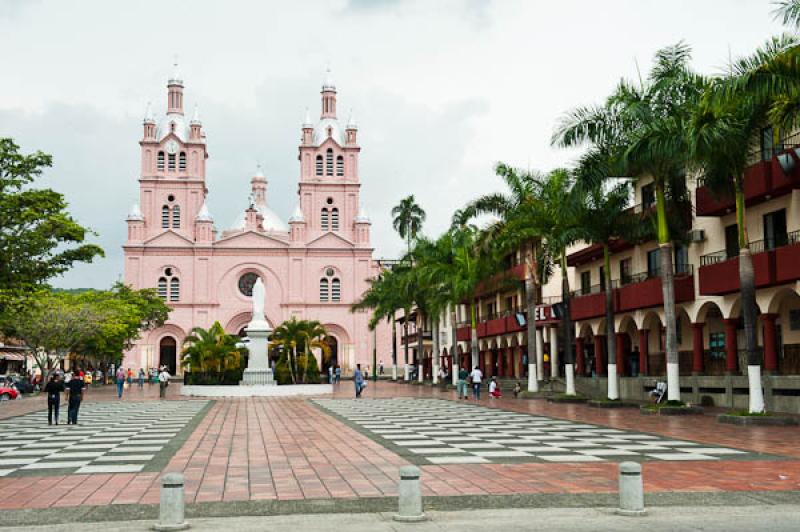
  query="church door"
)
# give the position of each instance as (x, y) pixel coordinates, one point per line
(167, 354)
(333, 358)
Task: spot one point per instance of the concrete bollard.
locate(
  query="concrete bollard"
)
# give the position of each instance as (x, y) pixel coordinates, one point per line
(631, 489)
(410, 500)
(170, 515)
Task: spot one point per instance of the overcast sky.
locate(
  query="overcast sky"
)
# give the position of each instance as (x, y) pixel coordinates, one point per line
(442, 90)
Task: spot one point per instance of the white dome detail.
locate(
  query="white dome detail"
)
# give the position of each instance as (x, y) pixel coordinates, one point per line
(351, 121)
(148, 114)
(321, 131)
(196, 116)
(165, 127)
(271, 220)
(135, 214)
(175, 78)
(328, 83)
(204, 215)
(307, 120)
(297, 215)
(362, 217)
(259, 173)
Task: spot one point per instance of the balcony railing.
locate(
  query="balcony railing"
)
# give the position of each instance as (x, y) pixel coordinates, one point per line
(757, 246)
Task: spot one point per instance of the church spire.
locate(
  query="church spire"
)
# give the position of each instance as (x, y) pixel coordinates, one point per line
(175, 91)
(328, 96)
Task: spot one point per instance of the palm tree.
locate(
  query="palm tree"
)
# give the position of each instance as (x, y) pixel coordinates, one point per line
(314, 336)
(723, 128)
(604, 216)
(211, 349)
(516, 204)
(788, 11)
(645, 128)
(408, 219)
(288, 336)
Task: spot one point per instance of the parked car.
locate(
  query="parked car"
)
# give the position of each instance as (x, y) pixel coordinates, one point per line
(21, 384)
(8, 393)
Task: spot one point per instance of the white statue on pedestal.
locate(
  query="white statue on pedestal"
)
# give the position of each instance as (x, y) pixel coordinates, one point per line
(258, 320)
(258, 371)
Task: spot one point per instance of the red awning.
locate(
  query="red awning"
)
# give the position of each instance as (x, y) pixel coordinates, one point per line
(12, 354)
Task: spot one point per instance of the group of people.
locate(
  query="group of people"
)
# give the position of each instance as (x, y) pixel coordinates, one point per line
(153, 375)
(474, 379)
(74, 387)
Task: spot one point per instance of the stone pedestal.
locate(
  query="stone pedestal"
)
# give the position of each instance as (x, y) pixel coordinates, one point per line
(258, 372)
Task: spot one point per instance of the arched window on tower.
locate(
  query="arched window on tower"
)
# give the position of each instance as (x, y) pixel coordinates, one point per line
(334, 219)
(165, 217)
(319, 164)
(323, 290)
(182, 162)
(340, 166)
(162, 288)
(161, 161)
(176, 217)
(324, 221)
(174, 289)
(336, 290)
(329, 162)
(171, 162)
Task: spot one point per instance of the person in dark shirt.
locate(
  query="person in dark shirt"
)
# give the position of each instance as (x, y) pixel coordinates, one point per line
(75, 389)
(53, 390)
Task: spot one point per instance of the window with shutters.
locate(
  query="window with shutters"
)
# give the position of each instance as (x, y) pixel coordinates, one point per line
(340, 166)
(182, 162)
(162, 288)
(319, 164)
(174, 289)
(171, 162)
(165, 217)
(161, 161)
(336, 290)
(323, 290)
(334, 219)
(176, 217)
(329, 162)
(324, 221)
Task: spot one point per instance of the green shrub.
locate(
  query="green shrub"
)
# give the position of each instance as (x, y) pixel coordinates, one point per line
(282, 373)
(312, 374)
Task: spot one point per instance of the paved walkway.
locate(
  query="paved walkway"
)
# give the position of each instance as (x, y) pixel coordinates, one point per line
(783, 518)
(288, 449)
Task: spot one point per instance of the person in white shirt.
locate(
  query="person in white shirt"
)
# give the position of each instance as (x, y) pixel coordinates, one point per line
(163, 382)
(476, 377)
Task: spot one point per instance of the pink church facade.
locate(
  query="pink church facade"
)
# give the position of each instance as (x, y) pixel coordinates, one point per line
(313, 267)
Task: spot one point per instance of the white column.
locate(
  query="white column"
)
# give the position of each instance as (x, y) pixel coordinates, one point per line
(539, 355)
(554, 352)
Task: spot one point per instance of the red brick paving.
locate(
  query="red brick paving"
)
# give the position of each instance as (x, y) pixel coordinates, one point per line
(260, 449)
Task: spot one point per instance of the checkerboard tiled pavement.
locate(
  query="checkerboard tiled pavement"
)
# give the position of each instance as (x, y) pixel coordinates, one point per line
(111, 437)
(432, 431)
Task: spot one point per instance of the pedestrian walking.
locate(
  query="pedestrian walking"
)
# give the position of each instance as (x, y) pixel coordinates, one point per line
(130, 377)
(330, 374)
(461, 385)
(163, 382)
(358, 377)
(75, 389)
(120, 381)
(476, 376)
(338, 374)
(380, 367)
(53, 390)
(141, 378)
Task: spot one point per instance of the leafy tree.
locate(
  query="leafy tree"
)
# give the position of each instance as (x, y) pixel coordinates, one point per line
(38, 237)
(295, 335)
(54, 325)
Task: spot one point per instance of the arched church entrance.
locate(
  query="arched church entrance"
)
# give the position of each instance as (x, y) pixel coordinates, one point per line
(333, 358)
(168, 354)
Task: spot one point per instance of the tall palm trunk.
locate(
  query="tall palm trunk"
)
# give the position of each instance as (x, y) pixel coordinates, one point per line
(611, 337)
(748, 293)
(405, 346)
(394, 348)
(454, 361)
(291, 357)
(569, 354)
(435, 354)
(530, 305)
(473, 320)
(420, 349)
(668, 290)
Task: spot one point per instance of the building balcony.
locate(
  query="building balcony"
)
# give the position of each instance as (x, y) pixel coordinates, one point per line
(508, 321)
(637, 291)
(504, 280)
(763, 180)
(774, 262)
(413, 338)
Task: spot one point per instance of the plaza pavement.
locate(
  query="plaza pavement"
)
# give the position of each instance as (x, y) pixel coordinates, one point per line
(284, 455)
